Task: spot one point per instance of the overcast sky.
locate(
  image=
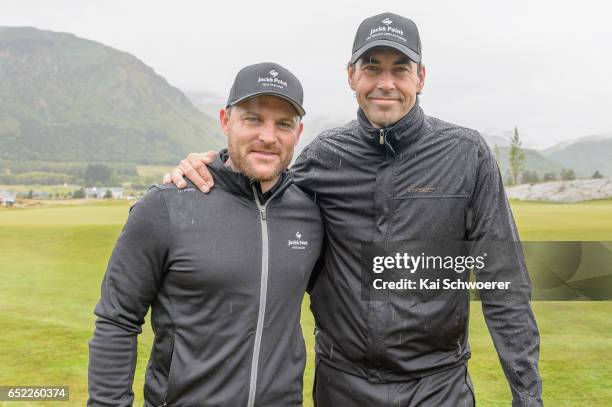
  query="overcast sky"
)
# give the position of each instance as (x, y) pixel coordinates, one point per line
(544, 66)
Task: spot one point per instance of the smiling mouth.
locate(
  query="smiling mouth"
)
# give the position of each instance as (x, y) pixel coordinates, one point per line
(265, 153)
(384, 99)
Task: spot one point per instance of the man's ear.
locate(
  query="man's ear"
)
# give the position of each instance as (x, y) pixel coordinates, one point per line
(299, 133)
(421, 78)
(350, 71)
(224, 119)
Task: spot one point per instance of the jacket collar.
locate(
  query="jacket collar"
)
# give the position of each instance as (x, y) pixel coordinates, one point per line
(239, 184)
(396, 137)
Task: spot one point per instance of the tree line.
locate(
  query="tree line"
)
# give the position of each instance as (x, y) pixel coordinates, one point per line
(49, 173)
(518, 173)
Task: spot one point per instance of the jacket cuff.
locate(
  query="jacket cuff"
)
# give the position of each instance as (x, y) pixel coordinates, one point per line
(526, 400)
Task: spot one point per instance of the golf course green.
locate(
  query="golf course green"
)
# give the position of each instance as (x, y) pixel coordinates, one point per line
(53, 257)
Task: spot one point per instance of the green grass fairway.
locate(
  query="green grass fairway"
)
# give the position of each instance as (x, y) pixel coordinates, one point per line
(53, 259)
(558, 221)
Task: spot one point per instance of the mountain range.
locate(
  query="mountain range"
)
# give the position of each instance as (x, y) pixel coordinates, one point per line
(64, 98)
(584, 155)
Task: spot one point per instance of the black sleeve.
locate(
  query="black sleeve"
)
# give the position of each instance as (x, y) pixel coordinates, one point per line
(133, 276)
(318, 265)
(508, 314)
(307, 171)
(305, 167)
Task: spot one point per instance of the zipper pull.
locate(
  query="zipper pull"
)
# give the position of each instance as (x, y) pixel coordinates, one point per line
(262, 208)
(381, 140)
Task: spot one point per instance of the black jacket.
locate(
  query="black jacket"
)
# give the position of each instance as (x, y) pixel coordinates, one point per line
(224, 275)
(421, 179)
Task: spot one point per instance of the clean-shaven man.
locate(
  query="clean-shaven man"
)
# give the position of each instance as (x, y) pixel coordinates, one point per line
(224, 274)
(396, 174)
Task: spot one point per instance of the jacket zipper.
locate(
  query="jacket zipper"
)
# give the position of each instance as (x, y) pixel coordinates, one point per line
(263, 290)
(381, 139)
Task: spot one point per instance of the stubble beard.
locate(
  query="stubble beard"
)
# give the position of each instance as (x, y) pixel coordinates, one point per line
(242, 165)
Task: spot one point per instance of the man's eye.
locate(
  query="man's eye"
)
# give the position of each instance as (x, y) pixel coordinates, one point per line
(371, 68)
(252, 119)
(402, 70)
(285, 125)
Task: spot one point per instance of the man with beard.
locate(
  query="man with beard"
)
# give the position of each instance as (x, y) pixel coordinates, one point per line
(223, 273)
(396, 174)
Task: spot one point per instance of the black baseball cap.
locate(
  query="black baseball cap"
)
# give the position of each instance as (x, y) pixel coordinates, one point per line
(389, 30)
(267, 78)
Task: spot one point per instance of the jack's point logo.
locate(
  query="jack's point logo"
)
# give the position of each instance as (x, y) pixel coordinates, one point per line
(272, 80)
(297, 243)
(386, 31)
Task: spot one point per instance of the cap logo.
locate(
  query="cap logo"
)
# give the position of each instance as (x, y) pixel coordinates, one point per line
(386, 31)
(272, 80)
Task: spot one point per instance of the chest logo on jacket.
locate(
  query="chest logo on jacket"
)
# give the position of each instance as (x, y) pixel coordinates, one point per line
(421, 190)
(297, 243)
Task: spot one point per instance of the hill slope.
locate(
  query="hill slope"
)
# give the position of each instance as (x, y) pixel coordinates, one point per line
(534, 161)
(69, 99)
(585, 155)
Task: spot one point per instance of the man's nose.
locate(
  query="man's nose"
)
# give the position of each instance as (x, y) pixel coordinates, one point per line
(386, 81)
(267, 133)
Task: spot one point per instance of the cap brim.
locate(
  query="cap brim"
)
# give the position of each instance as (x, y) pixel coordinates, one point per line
(294, 103)
(386, 43)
